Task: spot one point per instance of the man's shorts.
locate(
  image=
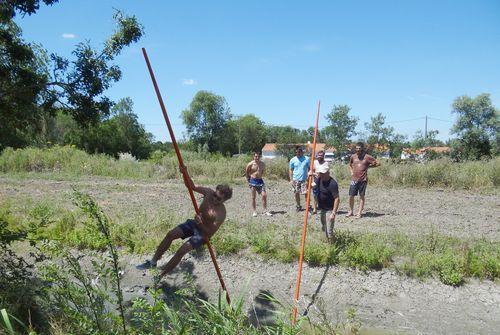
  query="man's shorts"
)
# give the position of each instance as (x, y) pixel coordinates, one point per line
(258, 184)
(299, 186)
(357, 187)
(315, 187)
(190, 229)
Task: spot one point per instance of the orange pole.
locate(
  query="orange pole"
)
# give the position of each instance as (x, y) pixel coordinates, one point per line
(184, 175)
(304, 229)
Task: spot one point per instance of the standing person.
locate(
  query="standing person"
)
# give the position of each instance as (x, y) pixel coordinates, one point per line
(320, 160)
(359, 163)
(212, 215)
(328, 200)
(297, 172)
(254, 172)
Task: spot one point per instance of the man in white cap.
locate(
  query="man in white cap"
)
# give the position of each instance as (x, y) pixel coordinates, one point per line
(328, 200)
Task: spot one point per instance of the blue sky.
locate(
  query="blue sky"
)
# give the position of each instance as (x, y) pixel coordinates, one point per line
(276, 59)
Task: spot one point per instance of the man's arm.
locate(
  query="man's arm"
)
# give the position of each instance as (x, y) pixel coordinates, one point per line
(373, 162)
(201, 225)
(336, 201)
(247, 170)
(350, 166)
(190, 184)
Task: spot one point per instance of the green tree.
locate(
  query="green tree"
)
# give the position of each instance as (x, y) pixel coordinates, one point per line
(206, 120)
(283, 134)
(22, 81)
(34, 85)
(420, 141)
(341, 127)
(396, 145)
(120, 133)
(250, 133)
(477, 127)
(378, 133)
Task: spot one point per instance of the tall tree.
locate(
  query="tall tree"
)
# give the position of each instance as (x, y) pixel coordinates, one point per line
(420, 141)
(34, 85)
(206, 119)
(341, 127)
(477, 126)
(378, 133)
(250, 133)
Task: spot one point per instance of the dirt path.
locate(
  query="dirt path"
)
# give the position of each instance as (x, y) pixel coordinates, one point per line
(408, 211)
(382, 299)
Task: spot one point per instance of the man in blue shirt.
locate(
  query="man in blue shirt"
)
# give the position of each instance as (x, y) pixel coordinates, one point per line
(298, 169)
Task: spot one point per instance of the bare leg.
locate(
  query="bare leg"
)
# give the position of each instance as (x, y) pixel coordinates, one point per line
(254, 205)
(351, 206)
(176, 258)
(361, 205)
(264, 200)
(315, 204)
(167, 241)
(297, 199)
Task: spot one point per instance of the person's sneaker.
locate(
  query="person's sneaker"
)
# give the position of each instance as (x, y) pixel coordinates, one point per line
(268, 213)
(146, 265)
(298, 208)
(254, 214)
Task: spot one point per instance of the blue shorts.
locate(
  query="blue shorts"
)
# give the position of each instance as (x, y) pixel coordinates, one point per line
(190, 229)
(258, 184)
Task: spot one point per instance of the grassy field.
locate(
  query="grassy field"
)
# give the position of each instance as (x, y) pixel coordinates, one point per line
(432, 220)
(71, 163)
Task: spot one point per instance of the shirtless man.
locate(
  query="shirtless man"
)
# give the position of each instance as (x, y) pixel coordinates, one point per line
(199, 229)
(254, 172)
(359, 163)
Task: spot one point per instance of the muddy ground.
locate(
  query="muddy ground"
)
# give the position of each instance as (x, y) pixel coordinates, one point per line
(382, 299)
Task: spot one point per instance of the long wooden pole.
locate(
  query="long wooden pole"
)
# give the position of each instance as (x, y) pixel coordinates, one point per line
(184, 173)
(304, 228)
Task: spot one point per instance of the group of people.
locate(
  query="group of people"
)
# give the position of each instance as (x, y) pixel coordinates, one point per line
(213, 211)
(325, 187)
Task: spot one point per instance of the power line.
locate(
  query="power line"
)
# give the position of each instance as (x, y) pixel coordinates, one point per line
(433, 118)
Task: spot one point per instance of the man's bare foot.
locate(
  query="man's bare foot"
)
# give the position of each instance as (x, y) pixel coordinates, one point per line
(358, 216)
(349, 214)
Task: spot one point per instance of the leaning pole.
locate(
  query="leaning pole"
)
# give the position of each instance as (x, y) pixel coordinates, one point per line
(184, 172)
(304, 228)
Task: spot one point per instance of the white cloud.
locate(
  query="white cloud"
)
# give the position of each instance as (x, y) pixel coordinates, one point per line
(189, 82)
(68, 36)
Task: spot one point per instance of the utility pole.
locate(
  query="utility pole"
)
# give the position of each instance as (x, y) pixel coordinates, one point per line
(425, 132)
(239, 135)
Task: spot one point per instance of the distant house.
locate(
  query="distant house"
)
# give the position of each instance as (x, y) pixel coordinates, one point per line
(269, 151)
(419, 154)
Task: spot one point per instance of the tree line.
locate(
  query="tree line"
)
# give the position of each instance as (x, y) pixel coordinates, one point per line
(48, 99)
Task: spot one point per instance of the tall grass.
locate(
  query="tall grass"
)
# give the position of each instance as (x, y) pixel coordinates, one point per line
(431, 255)
(70, 162)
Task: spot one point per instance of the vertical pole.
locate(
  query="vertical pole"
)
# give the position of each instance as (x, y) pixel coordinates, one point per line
(425, 131)
(304, 228)
(181, 163)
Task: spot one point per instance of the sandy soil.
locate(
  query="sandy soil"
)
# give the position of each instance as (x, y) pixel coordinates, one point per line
(382, 299)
